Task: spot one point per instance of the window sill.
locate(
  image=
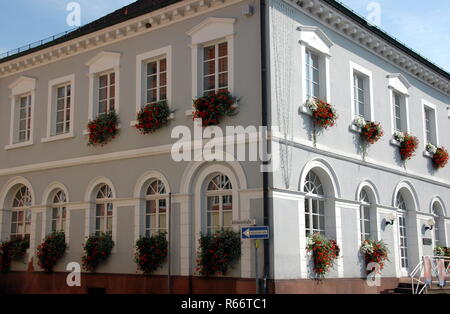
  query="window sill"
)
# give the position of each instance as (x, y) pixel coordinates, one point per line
(134, 122)
(394, 142)
(57, 137)
(86, 132)
(18, 145)
(354, 128)
(427, 154)
(305, 110)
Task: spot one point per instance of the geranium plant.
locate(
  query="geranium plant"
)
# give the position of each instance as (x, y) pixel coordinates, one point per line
(51, 250)
(359, 121)
(371, 132)
(218, 252)
(151, 252)
(440, 157)
(96, 250)
(213, 106)
(324, 114)
(408, 146)
(374, 252)
(152, 117)
(10, 250)
(323, 252)
(103, 129)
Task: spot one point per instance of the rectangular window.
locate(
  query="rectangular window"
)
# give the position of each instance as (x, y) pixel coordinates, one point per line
(397, 112)
(312, 75)
(63, 101)
(215, 68)
(103, 218)
(20, 224)
(58, 219)
(156, 87)
(403, 241)
(106, 92)
(24, 105)
(430, 126)
(155, 216)
(360, 95)
(365, 222)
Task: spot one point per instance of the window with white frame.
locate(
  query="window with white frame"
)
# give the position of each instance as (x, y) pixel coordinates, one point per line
(399, 111)
(361, 95)
(104, 71)
(437, 212)
(219, 203)
(364, 215)
(212, 44)
(402, 230)
(314, 205)
(156, 200)
(24, 122)
(106, 92)
(103, 210)
(63, 109)
(59, 211)
(312, 74)
(430, 125)
(21, 215)
(156, 80)
(215, 67)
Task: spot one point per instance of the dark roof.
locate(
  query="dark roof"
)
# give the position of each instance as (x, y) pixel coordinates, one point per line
(128, 12)
(142, 7)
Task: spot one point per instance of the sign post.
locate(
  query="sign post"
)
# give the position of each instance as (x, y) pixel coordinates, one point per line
(256, 233)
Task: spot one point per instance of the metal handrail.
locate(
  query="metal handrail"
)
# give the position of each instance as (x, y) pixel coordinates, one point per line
(34, 44)
(418, 286)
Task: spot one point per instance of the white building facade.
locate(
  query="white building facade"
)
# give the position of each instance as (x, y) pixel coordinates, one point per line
(272, 55)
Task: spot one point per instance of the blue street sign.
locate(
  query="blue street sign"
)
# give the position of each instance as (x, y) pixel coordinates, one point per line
(256, 232)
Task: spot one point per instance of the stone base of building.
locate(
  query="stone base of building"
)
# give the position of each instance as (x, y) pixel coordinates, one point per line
(17, 282)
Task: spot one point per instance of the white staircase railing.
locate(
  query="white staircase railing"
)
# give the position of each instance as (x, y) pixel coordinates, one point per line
(418, 283)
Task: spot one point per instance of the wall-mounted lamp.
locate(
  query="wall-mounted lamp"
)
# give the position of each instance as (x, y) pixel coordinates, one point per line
(390, 219)
(430, 224)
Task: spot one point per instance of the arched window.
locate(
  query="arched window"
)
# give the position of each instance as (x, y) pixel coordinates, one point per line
(437, 213)
(364, 218)
(314, 205)
(59, 211)
(103, 210)
(21, 214)
(402, 228)
(155, 208)
(219, 201)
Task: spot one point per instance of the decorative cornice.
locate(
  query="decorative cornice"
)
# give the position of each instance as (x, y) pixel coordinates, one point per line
(348, 28)
(125, 30)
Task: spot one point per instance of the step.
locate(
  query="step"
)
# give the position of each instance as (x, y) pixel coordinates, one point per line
(403, 290)
(437, 290)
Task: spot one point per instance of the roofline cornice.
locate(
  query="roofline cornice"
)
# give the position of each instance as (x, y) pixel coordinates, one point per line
(136, 26)
(350, 29)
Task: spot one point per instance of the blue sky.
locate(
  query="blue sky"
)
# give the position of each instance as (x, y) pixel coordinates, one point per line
(422, 25)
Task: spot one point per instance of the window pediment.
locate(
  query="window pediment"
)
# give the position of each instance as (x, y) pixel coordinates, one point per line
(212, 28)
(103, 61)
(315, 38)
(399, 83)
(23, 85)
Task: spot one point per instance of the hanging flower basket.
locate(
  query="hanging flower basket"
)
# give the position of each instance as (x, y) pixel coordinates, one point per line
(51, 250)
(440, 157)
(371, 132)
(103, 129)
(324, 253)
(212, 107)
(96, 250)
(374, 252)
(218, 253)
(324, 114)
(153, 117)
(151, 252)
(408, 145)
(10, 250)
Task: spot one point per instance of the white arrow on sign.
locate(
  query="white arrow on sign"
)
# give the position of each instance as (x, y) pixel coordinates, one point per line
(247, 233)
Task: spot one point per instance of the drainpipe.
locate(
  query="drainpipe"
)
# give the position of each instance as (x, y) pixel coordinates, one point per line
(265, 109)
